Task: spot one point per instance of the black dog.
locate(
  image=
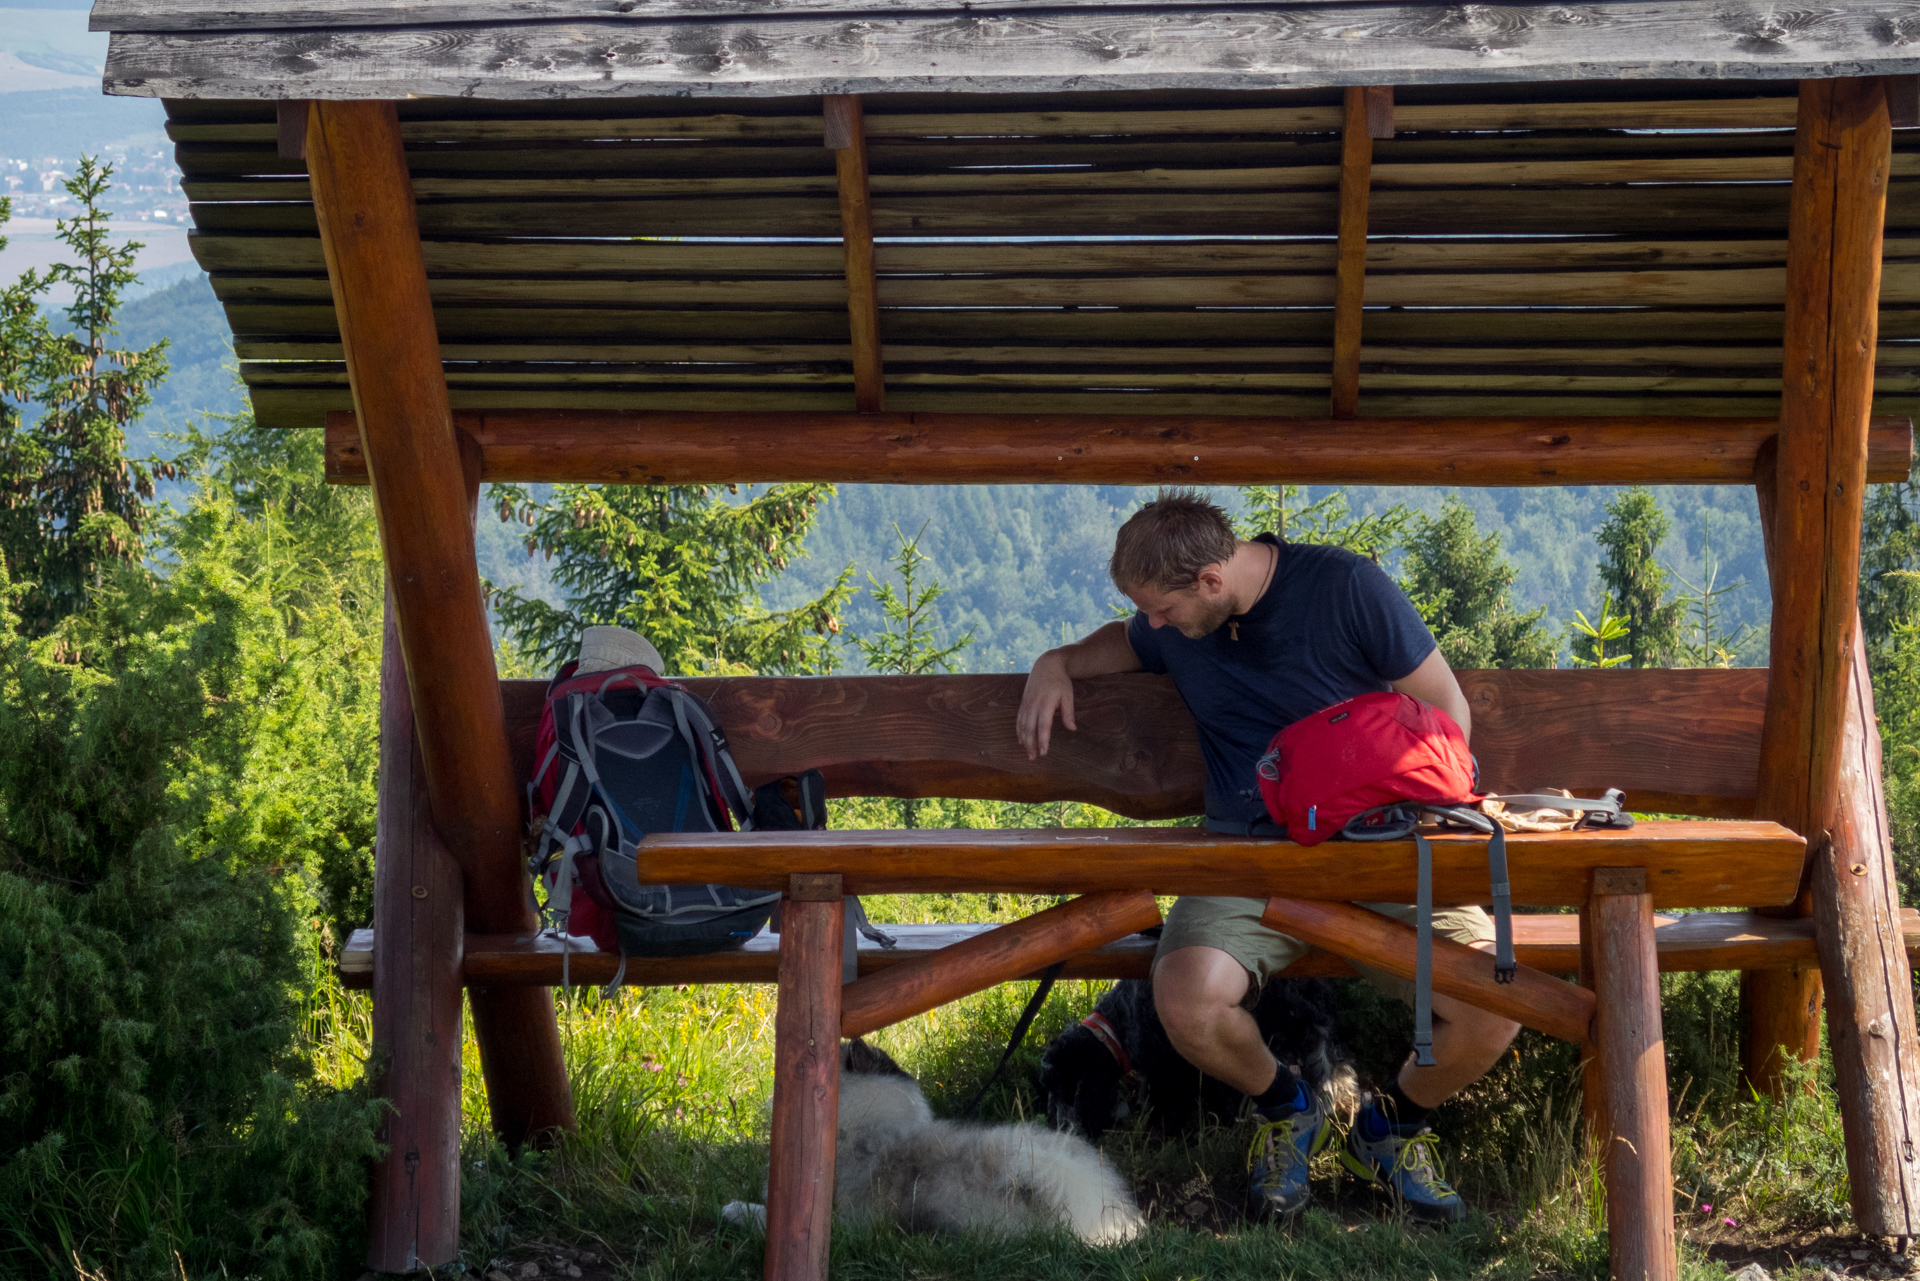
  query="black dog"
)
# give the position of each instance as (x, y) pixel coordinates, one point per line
(1084, 1067)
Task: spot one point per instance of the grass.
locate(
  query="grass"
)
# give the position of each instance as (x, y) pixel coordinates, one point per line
(671, 1089)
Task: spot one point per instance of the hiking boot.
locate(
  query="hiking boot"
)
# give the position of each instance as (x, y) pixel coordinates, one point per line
(1280, 1155)
(1405, 1166)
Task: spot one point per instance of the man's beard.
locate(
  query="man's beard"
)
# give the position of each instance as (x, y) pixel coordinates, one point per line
(1210, 621)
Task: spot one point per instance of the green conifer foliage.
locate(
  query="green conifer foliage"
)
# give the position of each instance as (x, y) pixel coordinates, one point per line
(73, 505)
(1889, 565)
(909, 644)
(682, 566)
(1462, 586)
(1629, 539)
(179, 761)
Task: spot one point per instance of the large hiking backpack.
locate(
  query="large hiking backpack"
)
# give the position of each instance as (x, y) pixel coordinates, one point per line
(620, 754)
(1370, 769)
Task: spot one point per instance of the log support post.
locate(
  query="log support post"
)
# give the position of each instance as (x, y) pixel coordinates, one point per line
(1870, 1014)
(998, 956)
(1841, 157)
(1637, 1150)
(423, 485)
(846, 134)
(1350, 271)
(806, 1079)
(418, 929)
(1593, 1090)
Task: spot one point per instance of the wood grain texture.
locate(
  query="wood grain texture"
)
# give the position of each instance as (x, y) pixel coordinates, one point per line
(413, 1206)
(847, 135)
(1350, 273)
(1633, 1068)
(1779, 1023)
(993, 957)
(653, 447)
(424, 485)
(1841, 150)
(1674, 741)
(1870, 1010)
(1533, 998)
(1595, 1127)
(1691, 943)
(1013, 51)
(1690, 864)
(806, 1091)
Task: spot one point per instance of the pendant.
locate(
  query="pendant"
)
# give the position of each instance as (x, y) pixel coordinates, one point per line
(1233, 631)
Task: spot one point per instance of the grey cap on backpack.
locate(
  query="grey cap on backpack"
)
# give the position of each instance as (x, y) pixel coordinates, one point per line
(602, 649)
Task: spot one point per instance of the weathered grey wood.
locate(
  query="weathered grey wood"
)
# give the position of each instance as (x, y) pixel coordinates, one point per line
(1079, 49)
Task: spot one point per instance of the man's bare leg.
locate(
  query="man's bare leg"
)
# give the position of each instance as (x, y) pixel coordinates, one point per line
(1197, 992)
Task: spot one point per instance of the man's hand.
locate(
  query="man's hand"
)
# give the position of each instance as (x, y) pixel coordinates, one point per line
(1050, 683)
(1049, 690)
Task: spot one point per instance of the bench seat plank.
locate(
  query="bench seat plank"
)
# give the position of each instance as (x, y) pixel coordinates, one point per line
(1690, 863)
(1697, 941)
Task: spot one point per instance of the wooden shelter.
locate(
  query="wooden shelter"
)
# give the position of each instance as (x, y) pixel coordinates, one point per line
(753, 240)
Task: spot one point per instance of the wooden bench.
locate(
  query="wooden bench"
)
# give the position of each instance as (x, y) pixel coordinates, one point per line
(1675, 741)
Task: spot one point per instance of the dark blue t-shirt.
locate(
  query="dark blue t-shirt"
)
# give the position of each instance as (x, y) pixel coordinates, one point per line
(1331, 626)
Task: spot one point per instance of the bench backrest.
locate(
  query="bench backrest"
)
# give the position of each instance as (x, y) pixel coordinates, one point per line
(1684, 741)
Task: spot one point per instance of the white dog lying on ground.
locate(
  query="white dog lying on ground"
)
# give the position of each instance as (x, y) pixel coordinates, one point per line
(897, 1164)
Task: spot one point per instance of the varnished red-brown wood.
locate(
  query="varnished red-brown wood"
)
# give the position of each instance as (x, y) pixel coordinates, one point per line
(413, 1208)
(1780, 1022)
(1870, 1013)
(1842, 151)
(846, 133)
(1350, 271)
(997, 956)
(806, 1090)
(1551, 942)
(364, 202)
(1691, 864)
(1633, 1069)
(1593, 1091)
(1677, 742)
(1779, 1009)
(1533, 998)
(641, 447)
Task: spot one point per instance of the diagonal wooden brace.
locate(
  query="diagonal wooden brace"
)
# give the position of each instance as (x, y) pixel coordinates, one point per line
(1534, 998)
(1010, 952)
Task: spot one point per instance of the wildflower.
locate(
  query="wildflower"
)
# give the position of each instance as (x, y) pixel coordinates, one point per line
(1729, 1222)
(1706, 1209)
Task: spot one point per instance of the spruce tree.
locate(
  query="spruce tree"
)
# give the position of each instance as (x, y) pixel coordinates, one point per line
(71, 504)
(1329, 519)
(679, 564)
(1637, 582)
(1463, 587)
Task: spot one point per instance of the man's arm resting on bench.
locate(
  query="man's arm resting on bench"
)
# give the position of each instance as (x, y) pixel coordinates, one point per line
(1433, 683)
(1050, 683)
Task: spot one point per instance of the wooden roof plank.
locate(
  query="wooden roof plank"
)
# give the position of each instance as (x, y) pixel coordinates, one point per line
(1078, 49)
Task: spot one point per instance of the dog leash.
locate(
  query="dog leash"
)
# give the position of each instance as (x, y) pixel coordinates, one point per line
(1019, 1034)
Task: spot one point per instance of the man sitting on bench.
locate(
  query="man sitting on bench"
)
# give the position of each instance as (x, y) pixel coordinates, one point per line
(1257, 635)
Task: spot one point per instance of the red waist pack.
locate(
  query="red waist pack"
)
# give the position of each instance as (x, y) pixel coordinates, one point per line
(1326, 769)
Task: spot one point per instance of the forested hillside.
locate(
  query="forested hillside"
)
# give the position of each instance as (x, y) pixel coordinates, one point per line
(1024, 565)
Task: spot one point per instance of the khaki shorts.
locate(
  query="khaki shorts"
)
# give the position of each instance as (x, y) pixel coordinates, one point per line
(1233, 926)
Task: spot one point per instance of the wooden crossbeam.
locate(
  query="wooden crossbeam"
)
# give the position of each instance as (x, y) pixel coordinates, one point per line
(1534, 998)
(1690, 864)
(846, 134)
(659, 448)
(997, 956)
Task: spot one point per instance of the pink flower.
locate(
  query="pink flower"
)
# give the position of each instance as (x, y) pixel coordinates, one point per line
(1706, 1209)
(1729, 1222)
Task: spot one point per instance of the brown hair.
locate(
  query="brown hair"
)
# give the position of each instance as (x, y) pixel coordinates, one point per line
(1169, 541)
